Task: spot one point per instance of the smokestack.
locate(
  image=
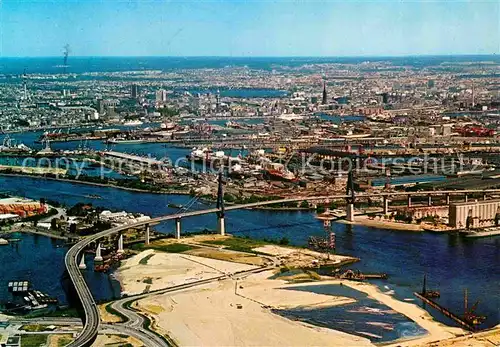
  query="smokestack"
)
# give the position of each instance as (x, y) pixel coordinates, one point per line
(66, 54)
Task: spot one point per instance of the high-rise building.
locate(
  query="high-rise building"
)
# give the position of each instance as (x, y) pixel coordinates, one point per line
(385, 98)
(161, 96)
(217, 101)
(134, 91)
(324, 101)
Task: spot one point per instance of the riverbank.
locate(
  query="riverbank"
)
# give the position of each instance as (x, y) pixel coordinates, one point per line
(96, 184)
(42, 233)
(436, 331)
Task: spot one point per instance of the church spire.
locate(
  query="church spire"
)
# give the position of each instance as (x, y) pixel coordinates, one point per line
(325, 96)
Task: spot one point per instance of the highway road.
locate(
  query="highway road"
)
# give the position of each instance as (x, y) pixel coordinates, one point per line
(92, 318)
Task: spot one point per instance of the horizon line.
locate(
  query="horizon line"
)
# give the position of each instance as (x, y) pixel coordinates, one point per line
(260, 56)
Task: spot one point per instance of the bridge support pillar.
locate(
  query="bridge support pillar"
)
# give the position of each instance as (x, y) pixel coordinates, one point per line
(466, 198)
(82, 265)
(221, 225)
(350, 212)
(409, 200)
(429, 200)
(147, 235)
(178, 228)
(120, 244)
(98, 255)
(447, 199)
(484, 196)
(386, 205)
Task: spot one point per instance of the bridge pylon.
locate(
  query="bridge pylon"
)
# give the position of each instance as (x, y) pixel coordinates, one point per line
(98, 253)
(120, 244)
(221, 225)
(351, 199)
(147, 232)
(82, 265)
(386, 204)
(178, 228)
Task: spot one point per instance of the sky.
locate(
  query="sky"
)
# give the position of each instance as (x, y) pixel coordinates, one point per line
(248, 27)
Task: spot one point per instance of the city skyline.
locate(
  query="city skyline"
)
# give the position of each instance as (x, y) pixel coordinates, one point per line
(249, 29)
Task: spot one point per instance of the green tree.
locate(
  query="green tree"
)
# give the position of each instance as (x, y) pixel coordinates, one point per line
(168, 112)
(284, 241)
(53, 223)
(320, 209)
(304, 204)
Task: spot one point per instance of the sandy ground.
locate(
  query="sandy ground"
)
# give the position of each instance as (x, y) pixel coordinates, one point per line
(490, 338)
(60, 340)
(384, 224)
(301, 257)
(169, 269)
(209, 315)
(104, 340)
(274, 293)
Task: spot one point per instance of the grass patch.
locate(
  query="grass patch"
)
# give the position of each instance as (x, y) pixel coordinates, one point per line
(169, 248)
(114, 312)
(144, 261)
(64, 341)
(67, 312)
(148, 280)
(240, 244)
(33, 340)
(298, 276)
(32, 328)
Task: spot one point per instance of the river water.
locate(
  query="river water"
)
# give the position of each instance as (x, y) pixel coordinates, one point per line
(450, 262)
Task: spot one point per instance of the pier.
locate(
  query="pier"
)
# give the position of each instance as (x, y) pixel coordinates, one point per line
(461, 321)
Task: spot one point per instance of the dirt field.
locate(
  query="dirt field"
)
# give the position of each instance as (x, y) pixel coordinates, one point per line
(302, 257)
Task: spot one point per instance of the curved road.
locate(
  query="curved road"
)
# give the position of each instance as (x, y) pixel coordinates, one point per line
(92, 318)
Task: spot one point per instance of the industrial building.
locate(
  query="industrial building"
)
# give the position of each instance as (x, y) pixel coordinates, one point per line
(474, 214)
(22, 207)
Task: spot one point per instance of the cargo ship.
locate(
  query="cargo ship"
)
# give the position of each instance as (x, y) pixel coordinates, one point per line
(279, 172)
(133, 123)
(207, 156)
(9, 146)
(117, 141)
